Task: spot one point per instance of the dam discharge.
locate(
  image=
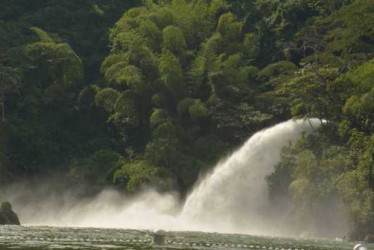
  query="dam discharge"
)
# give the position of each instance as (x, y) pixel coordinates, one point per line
(233, 198)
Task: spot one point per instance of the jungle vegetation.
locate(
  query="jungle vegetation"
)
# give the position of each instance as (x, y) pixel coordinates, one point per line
(131, 94)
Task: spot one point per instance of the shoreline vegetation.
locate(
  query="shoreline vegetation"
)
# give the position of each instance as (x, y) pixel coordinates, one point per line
(131, 94)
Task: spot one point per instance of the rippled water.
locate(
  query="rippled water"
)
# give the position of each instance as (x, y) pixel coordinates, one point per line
(27, 237)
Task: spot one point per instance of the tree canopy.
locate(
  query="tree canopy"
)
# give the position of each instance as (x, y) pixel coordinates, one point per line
(132, 94)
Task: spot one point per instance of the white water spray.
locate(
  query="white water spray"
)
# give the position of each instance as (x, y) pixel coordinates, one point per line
(233, 198)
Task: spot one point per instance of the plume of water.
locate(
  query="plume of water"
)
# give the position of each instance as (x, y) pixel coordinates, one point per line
(233, 198)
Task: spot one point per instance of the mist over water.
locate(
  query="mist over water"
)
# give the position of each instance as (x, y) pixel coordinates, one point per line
(233, 198)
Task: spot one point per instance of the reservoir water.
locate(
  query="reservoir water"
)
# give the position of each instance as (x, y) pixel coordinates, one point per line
(37, 238)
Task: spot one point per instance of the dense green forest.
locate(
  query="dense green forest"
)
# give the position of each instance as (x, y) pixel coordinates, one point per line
(136, 93)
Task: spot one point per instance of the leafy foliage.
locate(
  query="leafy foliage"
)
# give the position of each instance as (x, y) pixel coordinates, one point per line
(173, 85)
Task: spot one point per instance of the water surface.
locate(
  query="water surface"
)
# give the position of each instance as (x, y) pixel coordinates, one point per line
(32, 237)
